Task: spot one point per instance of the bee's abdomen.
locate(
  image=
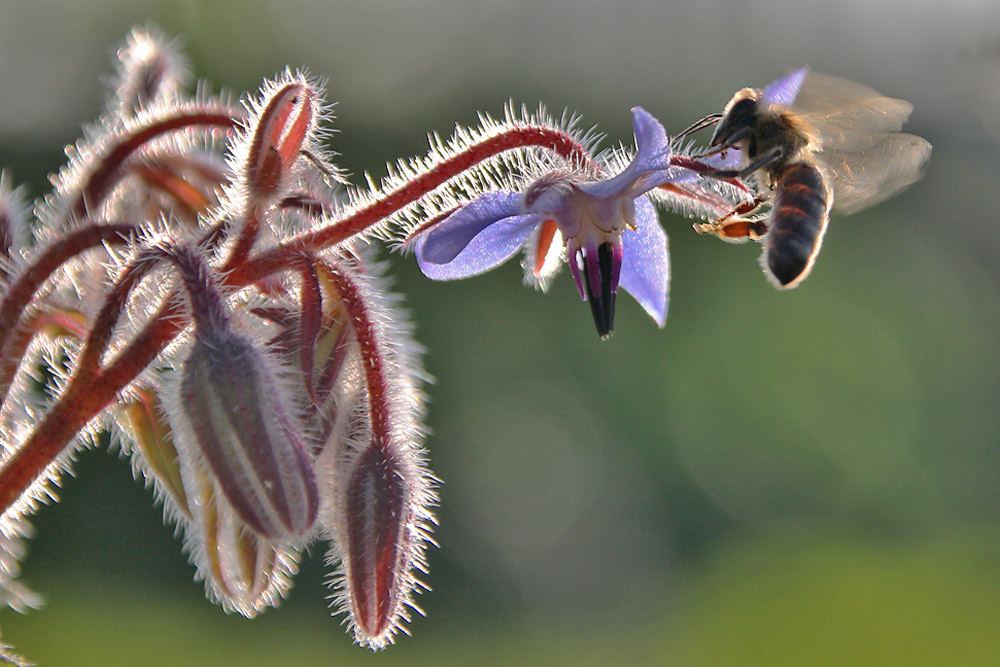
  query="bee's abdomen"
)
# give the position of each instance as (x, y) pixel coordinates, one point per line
(798, 221)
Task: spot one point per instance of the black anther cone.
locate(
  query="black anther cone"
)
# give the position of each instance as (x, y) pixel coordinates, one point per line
(602, 305)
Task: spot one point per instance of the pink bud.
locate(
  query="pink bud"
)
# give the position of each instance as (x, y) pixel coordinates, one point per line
(282, 128)
(378, 503)
(377, 543)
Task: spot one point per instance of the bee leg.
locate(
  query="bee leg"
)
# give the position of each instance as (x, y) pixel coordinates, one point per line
(734, 230)
(759, 163)
(738, 225)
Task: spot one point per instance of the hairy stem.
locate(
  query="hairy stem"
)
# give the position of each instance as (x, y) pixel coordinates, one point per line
(92, 390)
(108, 170)
(266, 263)
(81, 402)
(24, 287)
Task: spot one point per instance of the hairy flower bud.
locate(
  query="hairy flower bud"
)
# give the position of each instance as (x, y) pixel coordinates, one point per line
(377, 550)
(235, 413)
(282, 128)
(242, 570)
(231, 408)
(380, 491)
(149, 69)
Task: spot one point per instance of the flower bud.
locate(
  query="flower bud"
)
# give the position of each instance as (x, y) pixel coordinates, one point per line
(235, 413)
(150, 69)
(280, 132)
(377, 546)
(243, 571)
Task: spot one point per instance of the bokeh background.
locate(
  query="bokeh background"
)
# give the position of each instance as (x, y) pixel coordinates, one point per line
(794, 478)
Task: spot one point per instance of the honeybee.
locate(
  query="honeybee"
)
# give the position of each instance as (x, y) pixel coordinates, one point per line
(815, 143)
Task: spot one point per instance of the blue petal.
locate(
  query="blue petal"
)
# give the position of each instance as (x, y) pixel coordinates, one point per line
(476, 238)
(443, 242)
(646, 262)
(652, 145)
(652, 155)
(784, 91)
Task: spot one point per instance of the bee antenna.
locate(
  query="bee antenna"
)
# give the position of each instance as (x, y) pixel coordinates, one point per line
(701, 124)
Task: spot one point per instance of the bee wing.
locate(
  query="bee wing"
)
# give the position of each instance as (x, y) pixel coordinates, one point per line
(845, 112)
(872, 170)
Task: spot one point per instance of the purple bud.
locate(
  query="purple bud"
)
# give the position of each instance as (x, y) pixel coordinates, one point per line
(236, 414)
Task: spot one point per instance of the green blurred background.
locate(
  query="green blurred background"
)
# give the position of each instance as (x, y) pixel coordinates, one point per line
(774, 479)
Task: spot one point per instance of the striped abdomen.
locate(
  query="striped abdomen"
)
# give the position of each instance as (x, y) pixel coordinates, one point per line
(798, 221)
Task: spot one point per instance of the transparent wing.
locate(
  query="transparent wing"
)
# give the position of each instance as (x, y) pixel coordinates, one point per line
(857, 134)
(874, 168)
(845, 112)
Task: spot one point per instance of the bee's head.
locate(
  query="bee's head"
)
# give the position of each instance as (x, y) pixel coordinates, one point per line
(738, 118)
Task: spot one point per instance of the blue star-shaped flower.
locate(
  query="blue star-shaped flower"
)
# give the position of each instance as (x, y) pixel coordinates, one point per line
(609, 228)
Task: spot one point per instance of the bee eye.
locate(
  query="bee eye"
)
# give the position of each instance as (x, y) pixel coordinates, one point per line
(745, 108)
(736, 123)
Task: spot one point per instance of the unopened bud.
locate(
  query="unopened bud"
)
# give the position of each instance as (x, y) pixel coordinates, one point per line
(244, 571)
(281, 129)
(377, 517)
(149, 69)
(235, 412)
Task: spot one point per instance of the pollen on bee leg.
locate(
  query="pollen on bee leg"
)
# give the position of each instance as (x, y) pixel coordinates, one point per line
(733, 229)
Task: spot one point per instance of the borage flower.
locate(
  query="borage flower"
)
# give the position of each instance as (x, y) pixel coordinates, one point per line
(610, 230)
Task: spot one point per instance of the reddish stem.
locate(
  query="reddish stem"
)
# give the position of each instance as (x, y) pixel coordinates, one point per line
(244, 243)
(188, 197)
(371, 354)
(108, 171)
(20, 293)
(107, 318)
(81, 402)
(339, 231)
(18, 342)
(310, 321)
